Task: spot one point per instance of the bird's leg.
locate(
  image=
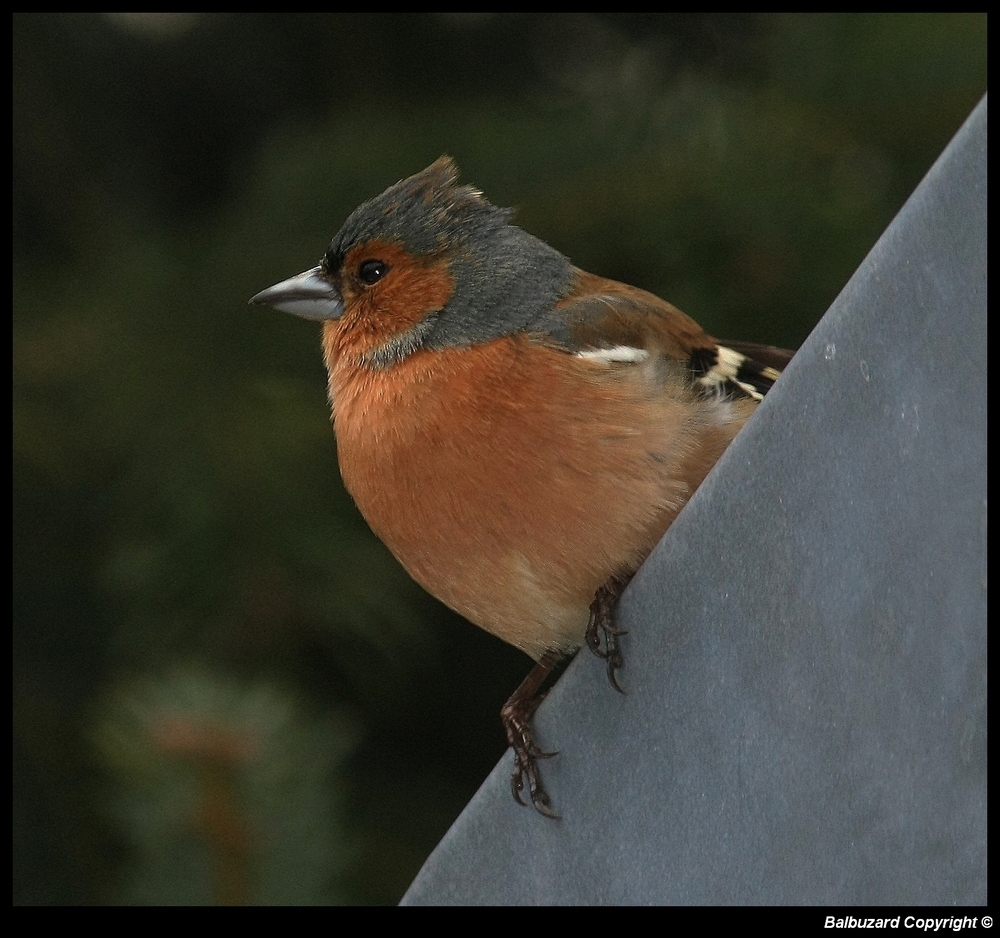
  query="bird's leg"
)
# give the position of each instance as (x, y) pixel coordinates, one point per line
(602, 620)
(516, 716)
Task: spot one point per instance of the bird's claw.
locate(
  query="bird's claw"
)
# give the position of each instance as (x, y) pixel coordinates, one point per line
(516, 715)
(602, 617)
(526, 765)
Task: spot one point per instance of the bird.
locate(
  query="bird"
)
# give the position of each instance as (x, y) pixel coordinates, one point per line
(520, 433)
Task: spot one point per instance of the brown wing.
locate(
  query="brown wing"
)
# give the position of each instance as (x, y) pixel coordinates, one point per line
(603, 314)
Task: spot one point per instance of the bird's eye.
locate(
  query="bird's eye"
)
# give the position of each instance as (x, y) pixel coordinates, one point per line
(372, 271)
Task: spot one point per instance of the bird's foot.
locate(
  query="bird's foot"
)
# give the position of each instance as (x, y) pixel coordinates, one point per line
(602, 622)
(526, 756)
(516, 716)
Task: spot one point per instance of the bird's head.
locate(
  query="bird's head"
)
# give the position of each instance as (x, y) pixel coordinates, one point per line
(427, 264)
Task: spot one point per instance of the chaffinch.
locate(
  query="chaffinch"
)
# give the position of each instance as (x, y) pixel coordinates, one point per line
(519, 432)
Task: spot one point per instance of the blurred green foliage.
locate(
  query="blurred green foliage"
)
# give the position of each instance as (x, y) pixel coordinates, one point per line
(176, 498)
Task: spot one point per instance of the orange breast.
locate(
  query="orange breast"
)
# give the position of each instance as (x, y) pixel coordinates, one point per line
(512, 480)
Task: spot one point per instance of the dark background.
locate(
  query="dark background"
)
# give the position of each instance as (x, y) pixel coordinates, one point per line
(225, 689)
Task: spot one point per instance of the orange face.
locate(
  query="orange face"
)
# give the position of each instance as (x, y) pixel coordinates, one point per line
(376, 312)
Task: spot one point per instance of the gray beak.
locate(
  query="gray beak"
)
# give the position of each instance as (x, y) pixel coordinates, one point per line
(309, 294)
